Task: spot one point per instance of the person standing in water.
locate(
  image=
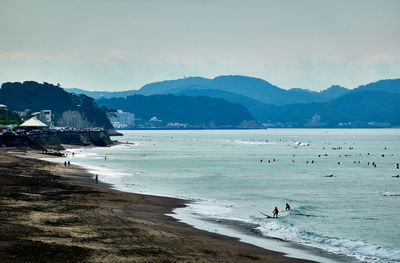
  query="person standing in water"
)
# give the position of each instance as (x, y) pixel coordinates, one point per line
(275, 212)
(287, 206)
(96, 179)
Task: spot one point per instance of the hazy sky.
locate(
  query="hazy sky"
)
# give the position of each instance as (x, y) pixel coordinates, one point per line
(120, 45)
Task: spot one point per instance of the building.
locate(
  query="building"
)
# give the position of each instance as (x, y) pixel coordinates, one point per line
(33, 123)
(154, 122)
(122, 120)
(44, 116)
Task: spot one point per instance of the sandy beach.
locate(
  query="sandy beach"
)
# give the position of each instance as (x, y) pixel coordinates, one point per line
(52, 213)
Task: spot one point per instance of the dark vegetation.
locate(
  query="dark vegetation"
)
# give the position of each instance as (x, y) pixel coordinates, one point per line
(9, 117)
(196, 111)
(35, 97)
(362, 109)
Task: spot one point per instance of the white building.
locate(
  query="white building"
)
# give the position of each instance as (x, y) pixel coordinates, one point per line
(121, 119)
(44, 116)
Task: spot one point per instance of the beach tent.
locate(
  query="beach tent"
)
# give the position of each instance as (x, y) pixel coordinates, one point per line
(33, 122)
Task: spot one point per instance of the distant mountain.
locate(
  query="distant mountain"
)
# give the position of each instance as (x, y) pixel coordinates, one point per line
(294, 107)
(165, 87)
(387, 85)
(358, 109)
(78, 111)
(103, 94)
(196, 112)
(255, 107)
(254, 88)
(333, 92)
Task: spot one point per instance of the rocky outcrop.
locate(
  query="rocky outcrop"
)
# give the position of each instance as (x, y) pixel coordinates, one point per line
(19, 142)
(54, 140)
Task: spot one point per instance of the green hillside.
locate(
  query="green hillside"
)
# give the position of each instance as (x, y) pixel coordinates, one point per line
(34, 96)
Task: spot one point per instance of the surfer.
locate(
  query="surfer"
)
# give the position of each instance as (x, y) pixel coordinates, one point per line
(397, 165)
(287, 206)
(275, 212)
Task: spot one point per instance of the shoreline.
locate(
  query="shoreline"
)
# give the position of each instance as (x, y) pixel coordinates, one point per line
(226, 227)
(70, 217)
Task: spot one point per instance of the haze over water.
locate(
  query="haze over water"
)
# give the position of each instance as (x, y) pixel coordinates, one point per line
(354, 212)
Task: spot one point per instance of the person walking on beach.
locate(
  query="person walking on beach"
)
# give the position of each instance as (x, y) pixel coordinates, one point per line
(69, 163)
(96, 179)
(275, 212)
(287, 207)
(65, 163)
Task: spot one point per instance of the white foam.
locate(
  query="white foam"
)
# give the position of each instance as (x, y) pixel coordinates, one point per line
(253, 142)
(78, 153)
(357, 249)
(272, 228)
(125, 145)
(211, 208)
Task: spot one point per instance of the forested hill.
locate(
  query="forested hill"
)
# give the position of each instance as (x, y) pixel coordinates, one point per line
(196, 112)
(358, 109)
(34, 96)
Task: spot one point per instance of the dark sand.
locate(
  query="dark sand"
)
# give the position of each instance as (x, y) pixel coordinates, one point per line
(69, 218)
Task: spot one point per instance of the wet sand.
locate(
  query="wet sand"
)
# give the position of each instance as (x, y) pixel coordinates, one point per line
(52, 213)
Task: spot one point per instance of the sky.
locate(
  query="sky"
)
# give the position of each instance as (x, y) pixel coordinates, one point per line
(122, 45)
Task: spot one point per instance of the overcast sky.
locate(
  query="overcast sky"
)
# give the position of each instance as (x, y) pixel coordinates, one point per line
(121, 45)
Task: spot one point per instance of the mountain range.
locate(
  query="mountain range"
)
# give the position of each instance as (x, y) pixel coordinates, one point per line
(232, 87)
(371, 105)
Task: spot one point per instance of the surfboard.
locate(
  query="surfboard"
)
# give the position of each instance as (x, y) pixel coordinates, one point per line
(266, 215)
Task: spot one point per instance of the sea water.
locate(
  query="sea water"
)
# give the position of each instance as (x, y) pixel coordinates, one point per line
(340, 202)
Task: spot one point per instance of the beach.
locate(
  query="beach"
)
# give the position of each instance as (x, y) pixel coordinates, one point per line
(52, 213)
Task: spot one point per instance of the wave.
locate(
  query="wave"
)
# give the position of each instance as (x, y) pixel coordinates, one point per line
(357, 249)
(390, 194)
(253, 142)
(275, 229)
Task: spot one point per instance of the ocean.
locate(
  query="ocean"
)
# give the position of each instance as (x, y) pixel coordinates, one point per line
(340, 183)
